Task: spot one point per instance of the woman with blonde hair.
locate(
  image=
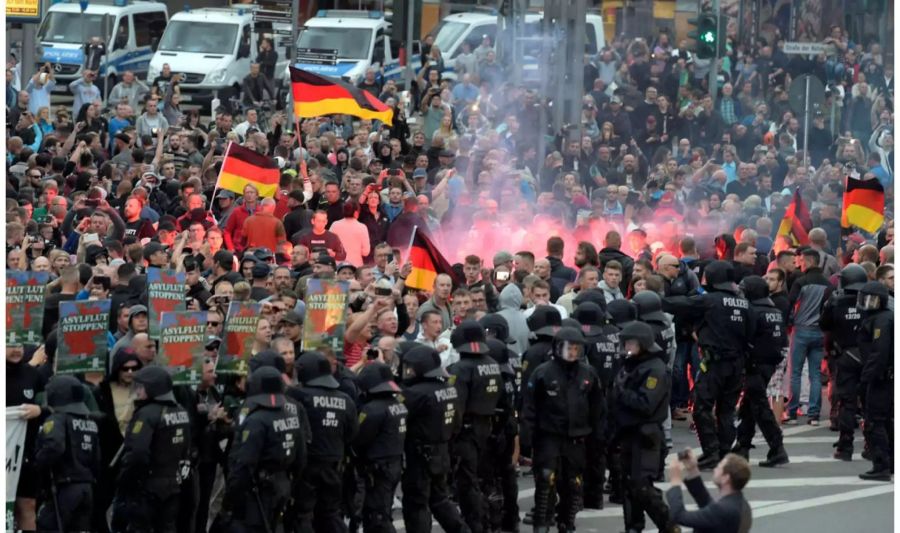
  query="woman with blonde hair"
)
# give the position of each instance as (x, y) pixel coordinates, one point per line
(44, 122)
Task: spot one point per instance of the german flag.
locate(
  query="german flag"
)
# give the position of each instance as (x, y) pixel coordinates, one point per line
(796, 222)
(315, 96)
(242, 167)
(427, 263)
(863, 204)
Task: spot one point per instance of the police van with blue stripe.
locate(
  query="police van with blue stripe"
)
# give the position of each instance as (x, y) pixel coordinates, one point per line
(355, 40)
(129, 30)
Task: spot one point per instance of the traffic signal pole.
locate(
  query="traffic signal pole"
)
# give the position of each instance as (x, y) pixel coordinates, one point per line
(713, 83)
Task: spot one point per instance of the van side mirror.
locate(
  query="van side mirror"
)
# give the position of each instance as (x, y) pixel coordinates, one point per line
(243, 51)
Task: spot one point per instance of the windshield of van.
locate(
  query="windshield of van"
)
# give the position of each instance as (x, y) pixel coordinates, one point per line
(60, 27)
(447, 33)
(350, 43)
(199, 37)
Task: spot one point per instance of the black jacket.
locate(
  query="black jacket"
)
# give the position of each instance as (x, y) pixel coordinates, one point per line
(433, 406)
(730, 514)
(382, 428)
(721, 320)
(770, 338)
(564, 399)
(608, 254)
(641, 392)
(332, 417)
(68, 447)
(840, 321)
(876, 341)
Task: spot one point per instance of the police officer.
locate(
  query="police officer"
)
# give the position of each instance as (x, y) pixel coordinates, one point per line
(498, 467)
(649, 306)
(840, 320)
(332, 418)
(601, 349)
(154, 455)
(722, 323)
(768, 348)
(563, 406)
(478, 383)
(379, 444)
(68, 450)
(876, 339)
(640, 403)
(543, 324)
(622, 313)
(270, 448)
(433, 406)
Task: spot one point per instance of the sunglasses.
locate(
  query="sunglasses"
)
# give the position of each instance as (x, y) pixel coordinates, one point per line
(129, 369)
(213, 324)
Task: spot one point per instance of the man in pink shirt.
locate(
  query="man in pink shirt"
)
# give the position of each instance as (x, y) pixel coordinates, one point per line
(353, 234)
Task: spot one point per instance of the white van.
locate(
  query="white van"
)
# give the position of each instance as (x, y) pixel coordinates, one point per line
(356, 39)
(454, 30)
(131, 31)
(213, 49)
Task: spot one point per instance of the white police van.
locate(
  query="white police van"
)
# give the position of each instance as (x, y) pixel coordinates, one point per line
(130, 31)
(454, 30)
(355, 40)
(213, 48)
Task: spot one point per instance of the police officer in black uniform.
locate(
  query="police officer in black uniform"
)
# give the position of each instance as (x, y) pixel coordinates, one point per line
(840, 321)
(767, 349)
(722, 324)
(154, 455)
(622, 313)
(270, 449)
(333, 420)
(601, 353)
(379, 444)
(543, 323)
(478, 383)
(68, 453)
(433, 406)
(876, 340)
(640, 404)
(498, 467)
(563, 406)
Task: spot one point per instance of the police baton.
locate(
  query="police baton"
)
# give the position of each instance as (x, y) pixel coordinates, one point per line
(55, 494)
(262, 510)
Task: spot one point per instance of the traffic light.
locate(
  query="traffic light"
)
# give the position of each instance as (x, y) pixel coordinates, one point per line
(706, 35)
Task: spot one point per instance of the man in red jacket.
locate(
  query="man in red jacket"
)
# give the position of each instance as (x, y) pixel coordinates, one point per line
(262, 229)
(234, 228)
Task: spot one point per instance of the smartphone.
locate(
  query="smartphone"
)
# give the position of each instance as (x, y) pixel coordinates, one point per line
(683, 454)
(47, 219)
(390, 257)
(503, 275)
(372, 354)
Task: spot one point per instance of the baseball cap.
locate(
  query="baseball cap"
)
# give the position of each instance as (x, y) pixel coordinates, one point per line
(446, 153)
(420, 173)
(260, 271)
(152, 248)
(343, 264)
(225, 194)
(292, 317)
(325, 259)
(616, 99)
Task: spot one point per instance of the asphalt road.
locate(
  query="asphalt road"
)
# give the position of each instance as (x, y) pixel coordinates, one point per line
(813, 494)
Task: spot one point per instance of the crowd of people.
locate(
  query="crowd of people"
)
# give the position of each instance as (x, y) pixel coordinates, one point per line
(633, 275)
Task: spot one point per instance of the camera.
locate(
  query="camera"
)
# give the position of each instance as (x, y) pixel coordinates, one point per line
(154, 131)
(683, 454)
(372, 354)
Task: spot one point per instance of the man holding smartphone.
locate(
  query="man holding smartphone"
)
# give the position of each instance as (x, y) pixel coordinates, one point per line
(729, 513)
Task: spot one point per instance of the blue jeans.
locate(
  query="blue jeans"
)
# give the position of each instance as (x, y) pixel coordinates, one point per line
(685, 353)
(806, 345)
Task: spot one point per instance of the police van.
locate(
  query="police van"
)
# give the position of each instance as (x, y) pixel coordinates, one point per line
(344, 44)
(453, 30)
(129, 30)
(212, 49)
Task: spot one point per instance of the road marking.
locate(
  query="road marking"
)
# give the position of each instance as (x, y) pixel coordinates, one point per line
(797, 459)
(616, 511)
(815, 440)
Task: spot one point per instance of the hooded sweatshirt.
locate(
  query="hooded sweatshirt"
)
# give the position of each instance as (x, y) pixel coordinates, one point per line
(510, 304)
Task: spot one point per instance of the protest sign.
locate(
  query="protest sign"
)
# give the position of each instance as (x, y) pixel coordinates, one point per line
(182, 344)
(16, 427)
(167, 293)
(25, 306)
(237, 338)
(83, 343)
(326, 316)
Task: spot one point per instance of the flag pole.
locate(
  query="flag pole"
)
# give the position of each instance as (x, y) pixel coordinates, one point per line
(219, 176)
(412, 237)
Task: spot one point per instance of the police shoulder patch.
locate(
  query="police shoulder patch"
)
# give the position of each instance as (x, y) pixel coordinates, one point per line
(245, 435)
(452, 379)
(362, 418)
(138, 426)
(651, 382)
(48, 427)
(876, 333)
